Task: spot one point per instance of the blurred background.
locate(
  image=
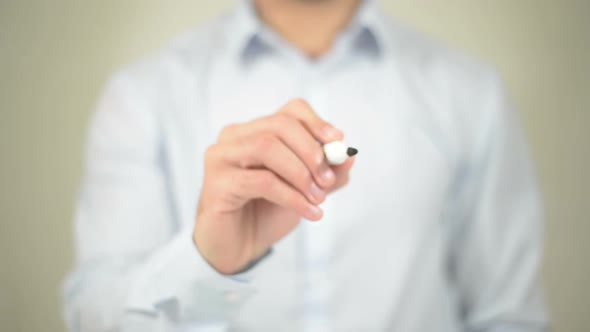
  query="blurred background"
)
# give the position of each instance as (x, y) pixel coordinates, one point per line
(56, 55)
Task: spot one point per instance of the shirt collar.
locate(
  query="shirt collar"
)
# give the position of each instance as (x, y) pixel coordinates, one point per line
(246, 31)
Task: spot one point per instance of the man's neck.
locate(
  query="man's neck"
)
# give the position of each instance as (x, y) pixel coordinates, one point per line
(310, 25)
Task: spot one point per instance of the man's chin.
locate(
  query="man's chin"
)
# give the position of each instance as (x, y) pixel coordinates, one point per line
(314, 1)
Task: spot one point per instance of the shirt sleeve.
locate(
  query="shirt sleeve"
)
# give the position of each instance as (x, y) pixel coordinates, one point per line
(136, 263)
(496, 242)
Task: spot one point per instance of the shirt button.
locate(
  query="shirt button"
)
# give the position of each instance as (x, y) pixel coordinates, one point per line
(232, 297)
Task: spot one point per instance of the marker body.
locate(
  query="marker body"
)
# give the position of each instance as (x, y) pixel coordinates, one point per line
(337, 152)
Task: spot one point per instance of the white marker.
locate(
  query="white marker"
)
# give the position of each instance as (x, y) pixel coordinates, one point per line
(337, 152)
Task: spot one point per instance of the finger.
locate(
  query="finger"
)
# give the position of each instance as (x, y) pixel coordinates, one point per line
(321, 130)
(257, 183)
(231, 133)
(271, 153)
(342, 174)
(295, 135)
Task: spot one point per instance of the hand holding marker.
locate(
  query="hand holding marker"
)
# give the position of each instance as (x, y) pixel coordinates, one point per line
(261, 178)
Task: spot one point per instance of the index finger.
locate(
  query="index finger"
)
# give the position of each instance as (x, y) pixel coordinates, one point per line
(320, 129)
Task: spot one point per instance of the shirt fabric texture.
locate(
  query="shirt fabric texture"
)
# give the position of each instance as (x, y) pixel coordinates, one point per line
(439, 228)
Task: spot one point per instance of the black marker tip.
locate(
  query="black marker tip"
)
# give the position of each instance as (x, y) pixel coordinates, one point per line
(351, 151)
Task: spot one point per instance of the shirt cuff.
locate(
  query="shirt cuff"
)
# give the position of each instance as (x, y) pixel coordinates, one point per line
(177, 279)
(247, 273)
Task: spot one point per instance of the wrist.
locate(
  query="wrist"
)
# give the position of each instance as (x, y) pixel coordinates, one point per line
(220, 265)
(221, 254)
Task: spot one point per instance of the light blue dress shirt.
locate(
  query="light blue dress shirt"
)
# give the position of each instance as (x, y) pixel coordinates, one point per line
(439, 228)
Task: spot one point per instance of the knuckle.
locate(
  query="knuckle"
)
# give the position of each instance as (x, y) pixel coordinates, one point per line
(280, 118)
(282, 121)
(239, 180)
(298, 103)
(316, 155)
(264, 142)
(304, 177)
(228, 130)
(211, 153)
(265, 181)
(297, 201)
(278, 121)
(217, 183)
(225, 183)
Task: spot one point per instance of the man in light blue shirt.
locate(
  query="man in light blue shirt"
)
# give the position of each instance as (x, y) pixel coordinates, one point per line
(207, 203)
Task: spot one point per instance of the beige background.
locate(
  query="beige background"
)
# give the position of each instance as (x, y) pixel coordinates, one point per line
(55, 56)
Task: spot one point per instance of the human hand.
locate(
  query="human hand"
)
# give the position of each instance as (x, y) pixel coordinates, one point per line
(261, 177)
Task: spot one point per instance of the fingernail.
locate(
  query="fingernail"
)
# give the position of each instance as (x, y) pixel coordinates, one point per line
(320, 157)
(314, 212)
(326, 173)
(330, 133)
(317, 193)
